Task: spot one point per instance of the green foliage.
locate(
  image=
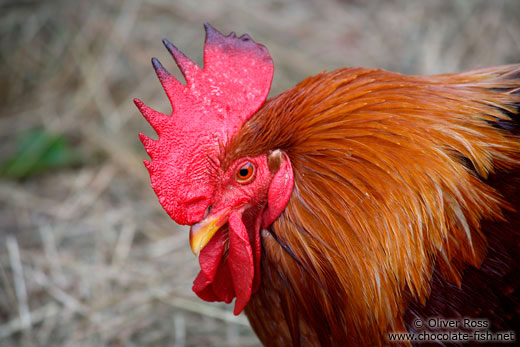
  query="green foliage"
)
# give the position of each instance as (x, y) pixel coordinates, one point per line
(39, 151)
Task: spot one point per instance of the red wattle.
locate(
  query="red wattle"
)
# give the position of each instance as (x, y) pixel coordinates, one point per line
(223, 283)
(241, 266)
(237, 274)
(210, 256)
(203, 288)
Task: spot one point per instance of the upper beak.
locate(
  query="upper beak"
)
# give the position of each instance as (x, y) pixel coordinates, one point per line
(202, 232)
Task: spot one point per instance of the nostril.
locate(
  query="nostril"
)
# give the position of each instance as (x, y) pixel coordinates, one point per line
(207, 211)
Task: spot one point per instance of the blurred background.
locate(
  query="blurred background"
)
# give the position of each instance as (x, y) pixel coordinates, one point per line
(87, 255)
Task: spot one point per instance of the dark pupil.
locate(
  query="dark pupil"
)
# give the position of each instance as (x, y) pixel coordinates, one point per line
(243, 171)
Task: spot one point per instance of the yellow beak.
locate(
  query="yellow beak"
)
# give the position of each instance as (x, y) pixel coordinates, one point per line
(202, 232)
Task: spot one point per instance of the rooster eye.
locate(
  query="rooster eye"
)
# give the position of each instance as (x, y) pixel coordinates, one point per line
(245, 173)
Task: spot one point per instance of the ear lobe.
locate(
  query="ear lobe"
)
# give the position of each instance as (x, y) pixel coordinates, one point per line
(280, 188)
(275, 159)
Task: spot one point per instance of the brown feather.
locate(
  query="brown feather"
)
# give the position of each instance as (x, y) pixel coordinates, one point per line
(392, 180)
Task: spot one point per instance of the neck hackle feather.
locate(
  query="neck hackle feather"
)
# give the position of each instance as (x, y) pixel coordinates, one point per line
(390, 182)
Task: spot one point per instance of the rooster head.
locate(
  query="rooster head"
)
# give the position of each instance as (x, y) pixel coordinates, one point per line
(226, 203)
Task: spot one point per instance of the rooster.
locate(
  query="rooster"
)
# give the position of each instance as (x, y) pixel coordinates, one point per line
(349, 206)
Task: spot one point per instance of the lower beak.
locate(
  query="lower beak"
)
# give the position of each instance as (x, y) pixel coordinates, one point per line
(202, 232)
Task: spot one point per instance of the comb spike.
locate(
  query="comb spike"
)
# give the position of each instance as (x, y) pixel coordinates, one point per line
(148, 165)
(149, 144)
(154, 118)
(210, 31)
(159, 68)
(189, 69)
(169, 83)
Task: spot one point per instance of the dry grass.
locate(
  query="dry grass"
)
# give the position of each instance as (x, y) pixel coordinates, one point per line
(87, 256)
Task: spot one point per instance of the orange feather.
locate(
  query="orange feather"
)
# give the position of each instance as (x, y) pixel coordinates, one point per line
(393, 183)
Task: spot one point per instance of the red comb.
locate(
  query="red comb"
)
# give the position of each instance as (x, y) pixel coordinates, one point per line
(208, 110)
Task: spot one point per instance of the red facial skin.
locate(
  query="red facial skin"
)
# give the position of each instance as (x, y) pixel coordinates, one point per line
(230, 262)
